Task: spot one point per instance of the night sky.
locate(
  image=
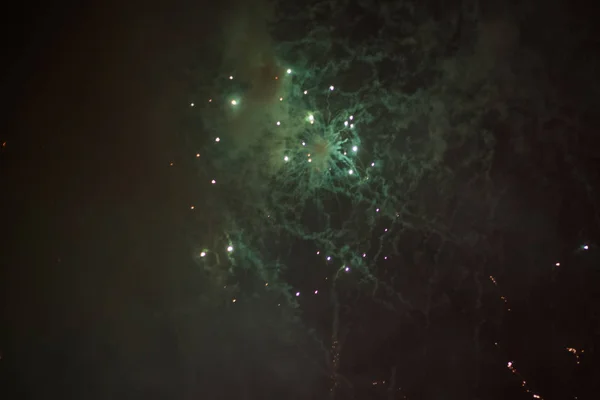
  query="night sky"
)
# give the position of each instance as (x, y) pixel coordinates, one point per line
(336, 199)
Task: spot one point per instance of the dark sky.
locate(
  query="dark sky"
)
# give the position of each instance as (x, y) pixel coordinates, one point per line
(93, 223)
(94, 247)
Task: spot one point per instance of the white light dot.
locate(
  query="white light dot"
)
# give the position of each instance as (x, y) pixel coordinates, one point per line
(557, 264)
(297, 294)
(281, 99)
(213, 181)
(203, 254)
(377, 210)
(192, 207)
(318, 252)
(217, 140)
(311, 117)
(347, 269)
(233, 301)
(585, 247)
(197, 155)
(278, 123)
(331, 87)
(310, 160)
(191, 104)
(230, 77)
(355, 148)
(328, 258)
(372, 164)
(345, 123)
(364, 255)
(306, 91)
(286, 158)
(303, 143)
(230, 248)
(350, 172)
(316, 292)
(351, 126)
(234, 102)
(289, 71)
(351, 117)
(210, 100)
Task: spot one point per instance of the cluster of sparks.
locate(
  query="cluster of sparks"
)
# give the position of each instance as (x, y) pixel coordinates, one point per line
(310, 151)
(325, 149)
(511, 365)
(316, 148)
(576, 353)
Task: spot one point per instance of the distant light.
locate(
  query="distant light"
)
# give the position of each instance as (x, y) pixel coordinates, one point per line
(230, 248)
(303, 143)
(364, 255)
(197, 155)
(345, 123)
(355, 148)
(372, 164)
(233, 301)
(347, 269)
(377, 210)
(310, 160)
(281, 99)
(350, 172)
(351, 117)
(311, 117)
(316, 292)
(210, 100)
(213, 181)
(331, 88)
(203, 254)
(230, 77)
(289, 71)
(278, 123)
(557, 264)
(217, 139)
(351, 126)
(297, 294)
(328, 258)
(192, 207)
(191, 104)
(234, 102)
(306, 91)
(286, 158)
(585, 247)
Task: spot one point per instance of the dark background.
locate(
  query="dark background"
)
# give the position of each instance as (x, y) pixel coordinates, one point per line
(92, 239)
(94, 244)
